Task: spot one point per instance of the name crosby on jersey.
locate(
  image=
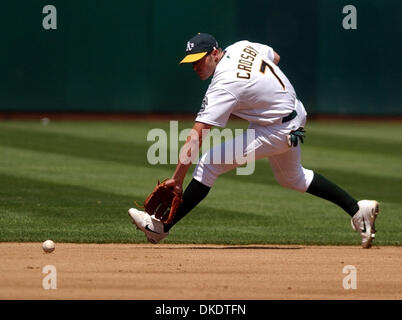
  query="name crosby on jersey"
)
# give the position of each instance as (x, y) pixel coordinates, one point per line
(246, 62)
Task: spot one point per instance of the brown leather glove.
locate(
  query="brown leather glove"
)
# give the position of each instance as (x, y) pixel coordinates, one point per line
(163, 202)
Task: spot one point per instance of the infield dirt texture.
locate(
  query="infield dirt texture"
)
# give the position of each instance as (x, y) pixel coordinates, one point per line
(176, 272)
(73, 182)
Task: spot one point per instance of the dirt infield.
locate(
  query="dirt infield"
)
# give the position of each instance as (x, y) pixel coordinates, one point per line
(177, 272)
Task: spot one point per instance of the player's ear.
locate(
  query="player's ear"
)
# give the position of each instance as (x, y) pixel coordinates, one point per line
(215, 53)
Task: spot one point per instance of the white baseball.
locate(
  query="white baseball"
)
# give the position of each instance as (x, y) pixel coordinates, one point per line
(48, 246)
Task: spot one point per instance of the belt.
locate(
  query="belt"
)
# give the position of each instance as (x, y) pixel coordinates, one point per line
(289, 117)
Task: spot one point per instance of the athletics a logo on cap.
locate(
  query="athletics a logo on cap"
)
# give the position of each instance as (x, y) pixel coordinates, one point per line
(190, 46)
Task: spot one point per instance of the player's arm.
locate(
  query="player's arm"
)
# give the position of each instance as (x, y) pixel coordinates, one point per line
(188, 151)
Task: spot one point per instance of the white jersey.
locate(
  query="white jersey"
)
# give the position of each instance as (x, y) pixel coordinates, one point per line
(248, 84)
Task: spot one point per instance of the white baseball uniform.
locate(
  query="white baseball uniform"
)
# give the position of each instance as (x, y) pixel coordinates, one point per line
(247, 83)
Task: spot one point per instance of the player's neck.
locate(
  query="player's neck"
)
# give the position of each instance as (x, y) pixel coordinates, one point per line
(222, 53)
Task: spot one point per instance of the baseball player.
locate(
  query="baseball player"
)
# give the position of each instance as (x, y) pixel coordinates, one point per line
(247, 82)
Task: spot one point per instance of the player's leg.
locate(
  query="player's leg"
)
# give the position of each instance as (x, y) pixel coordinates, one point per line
(217, 161)
(192, 195)
(289, 173)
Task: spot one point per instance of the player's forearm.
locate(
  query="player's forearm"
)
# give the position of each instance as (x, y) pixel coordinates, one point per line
(190, 150)
(186, 157)
(180, 172)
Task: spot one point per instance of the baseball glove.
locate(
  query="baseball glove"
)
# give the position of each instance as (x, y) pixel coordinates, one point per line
(163, 202)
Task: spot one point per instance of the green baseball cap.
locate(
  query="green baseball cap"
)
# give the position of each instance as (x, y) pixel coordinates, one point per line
(198, 47)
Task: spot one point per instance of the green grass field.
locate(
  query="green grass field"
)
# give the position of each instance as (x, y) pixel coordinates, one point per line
(73, 181)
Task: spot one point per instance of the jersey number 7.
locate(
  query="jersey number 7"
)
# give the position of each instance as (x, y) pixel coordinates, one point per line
(264, 65)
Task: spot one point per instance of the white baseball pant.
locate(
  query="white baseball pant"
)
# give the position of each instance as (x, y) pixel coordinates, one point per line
(269, 142)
